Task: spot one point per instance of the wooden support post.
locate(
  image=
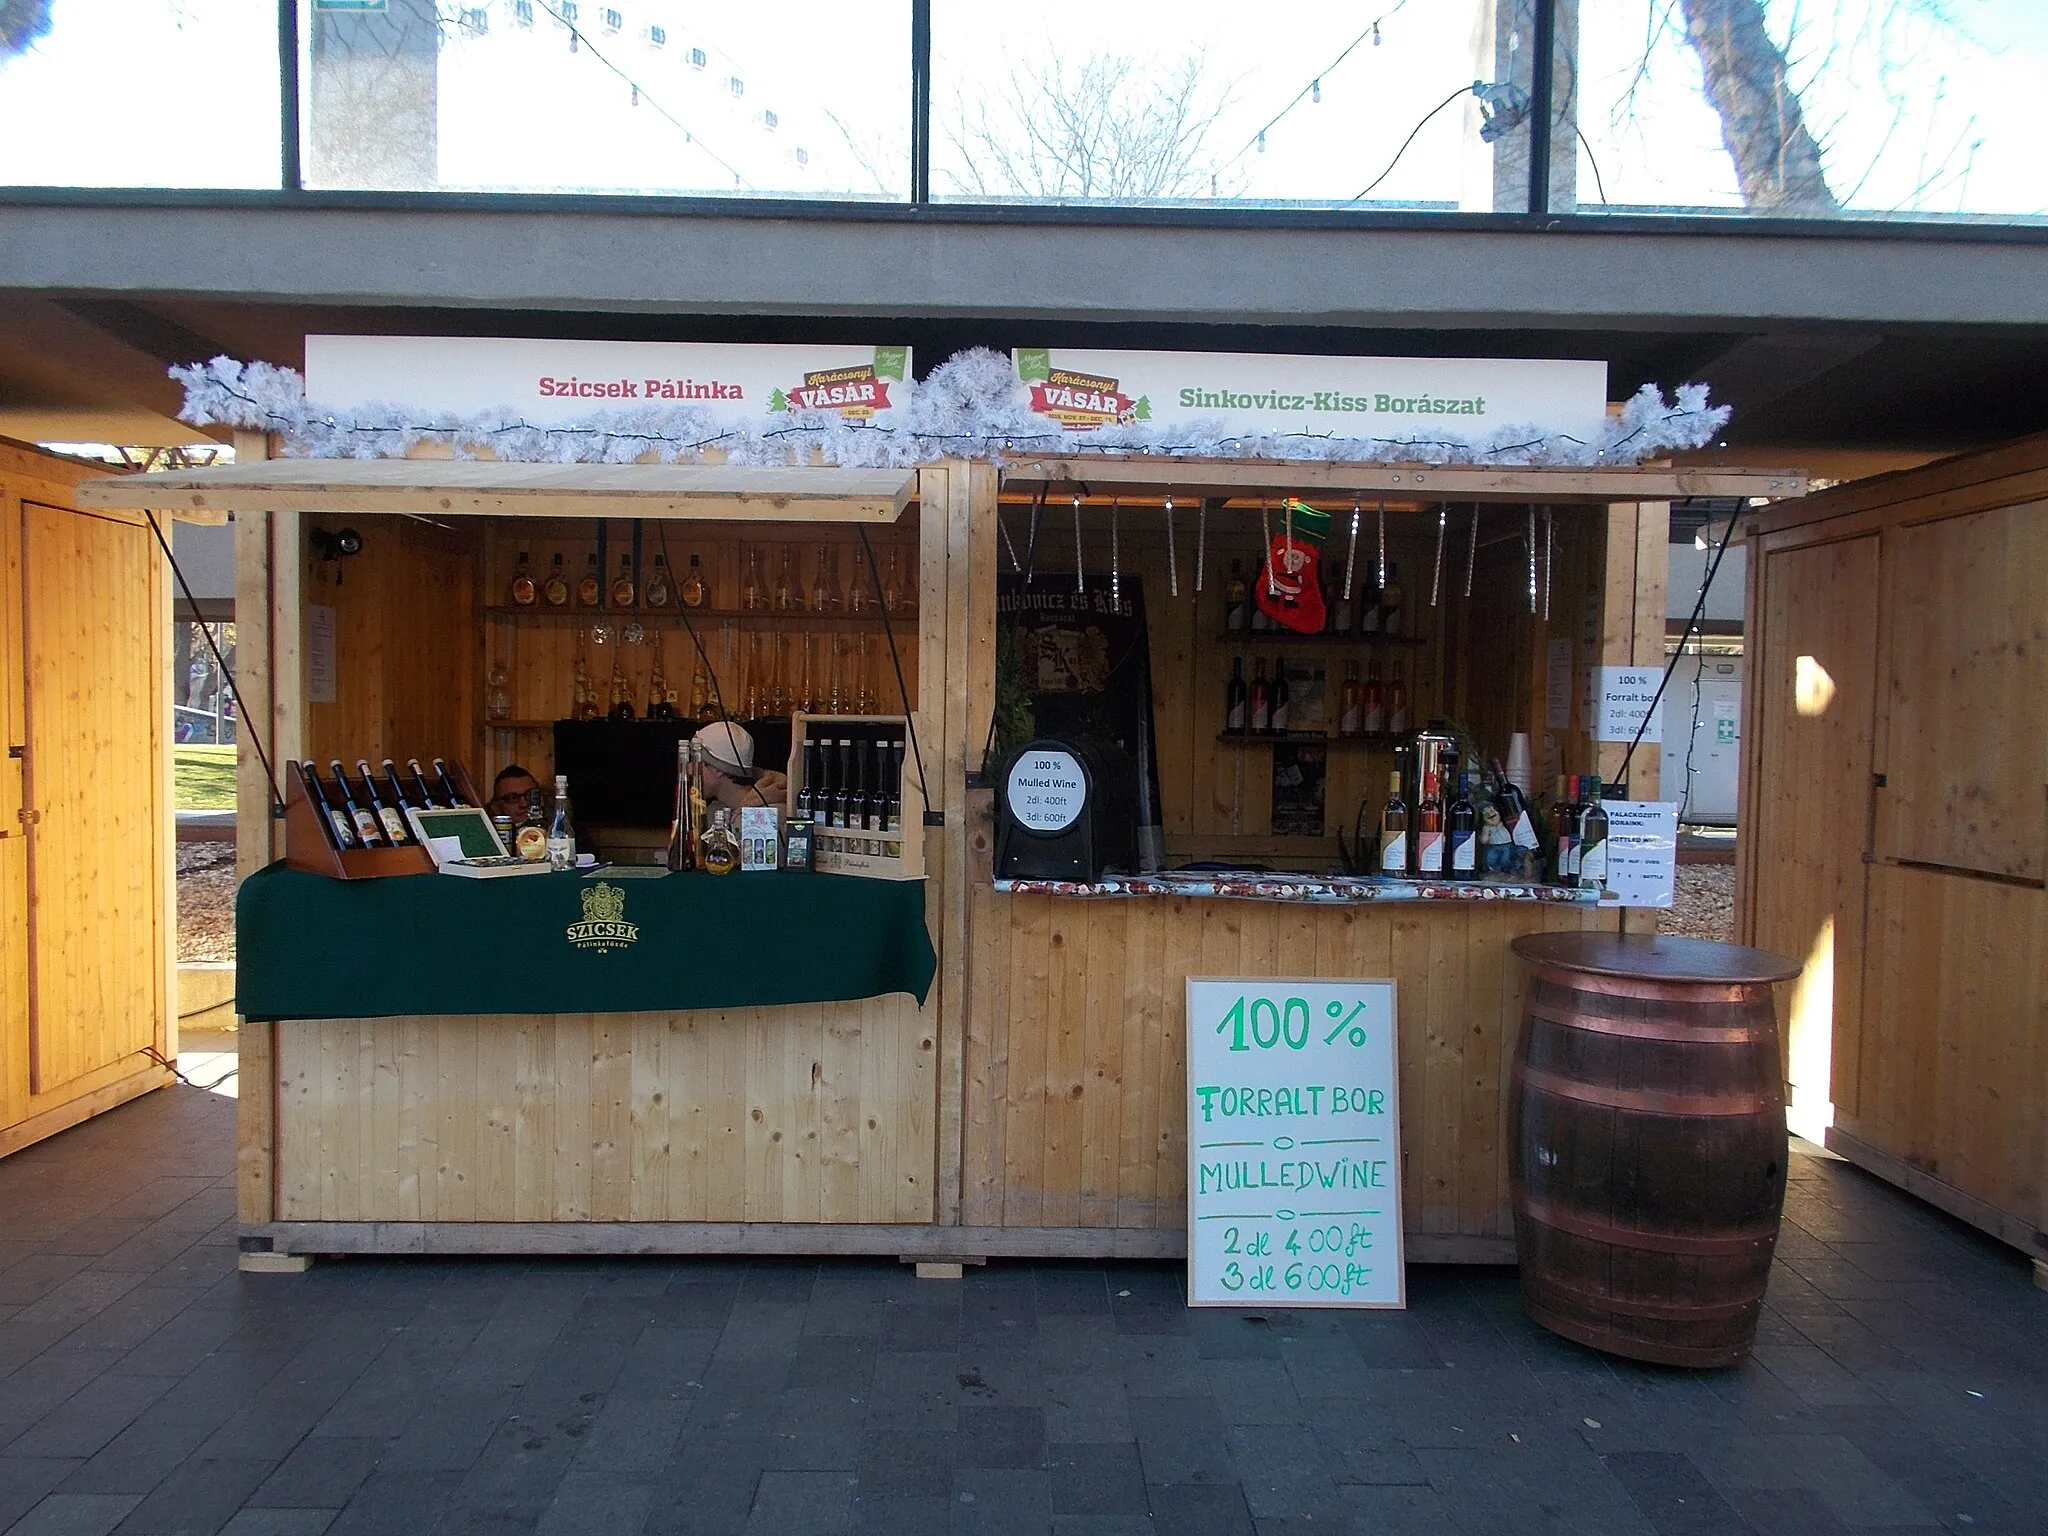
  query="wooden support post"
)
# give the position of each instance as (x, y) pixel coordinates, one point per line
(1632, 623)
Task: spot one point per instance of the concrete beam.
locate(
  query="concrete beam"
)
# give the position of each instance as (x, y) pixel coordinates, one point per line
(950, 266)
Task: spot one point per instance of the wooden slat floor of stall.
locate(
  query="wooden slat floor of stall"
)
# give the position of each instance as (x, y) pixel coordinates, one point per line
(817, 1113)
(1076, 1054)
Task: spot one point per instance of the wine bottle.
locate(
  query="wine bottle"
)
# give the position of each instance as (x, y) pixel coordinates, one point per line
(368, 832)
(892, 789)
(447, 783)
(1429, 831)
(1375, 709)
(807, 791)
(1514, 810)
(1462, 833)
(1234, 698)
(1565, 864)
(590, 589)
(420, 787)
(1351, 710)
(1397, 704)
(658, 593)
(624, 588)
(1234, 603)
(858, 808)
(396, 785)
(1394, 829)
(1280, 696)
(1592, 841)
(1369, 603)
(341, 832)
(1260, 719)
(842, 795)
(524, 592)
(389, 817)
(555, 590)
(1390, 601)
(561, 831)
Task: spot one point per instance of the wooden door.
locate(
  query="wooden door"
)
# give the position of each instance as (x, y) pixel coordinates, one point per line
(1814, 670)
(91, 657)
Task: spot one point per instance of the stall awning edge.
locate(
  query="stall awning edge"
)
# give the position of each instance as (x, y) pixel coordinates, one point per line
(470, 488)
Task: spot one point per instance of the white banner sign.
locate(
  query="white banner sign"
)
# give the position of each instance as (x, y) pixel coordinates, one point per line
(1468, 398)
(1621, 698)
(552, 383)
(1642, 853)
(1294, 1144)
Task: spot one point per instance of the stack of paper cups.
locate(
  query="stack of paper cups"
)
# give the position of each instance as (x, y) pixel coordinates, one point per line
(1518, 761)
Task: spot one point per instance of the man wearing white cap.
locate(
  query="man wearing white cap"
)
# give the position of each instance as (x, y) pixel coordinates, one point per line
(728, 776)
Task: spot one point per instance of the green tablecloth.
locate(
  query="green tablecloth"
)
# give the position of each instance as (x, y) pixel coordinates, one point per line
(311, 947)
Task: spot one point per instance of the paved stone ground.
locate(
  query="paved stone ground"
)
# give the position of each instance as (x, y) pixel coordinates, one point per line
(1901, 1382)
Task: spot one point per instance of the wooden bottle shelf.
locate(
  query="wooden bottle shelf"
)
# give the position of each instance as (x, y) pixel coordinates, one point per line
(744, 617)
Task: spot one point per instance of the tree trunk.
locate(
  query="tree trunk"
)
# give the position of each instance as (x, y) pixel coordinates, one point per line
(1777, 162)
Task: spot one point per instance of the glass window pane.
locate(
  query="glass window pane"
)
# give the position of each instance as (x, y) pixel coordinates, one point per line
(1213, 102)
(1902, 109)
(796, 99)
(139, 93)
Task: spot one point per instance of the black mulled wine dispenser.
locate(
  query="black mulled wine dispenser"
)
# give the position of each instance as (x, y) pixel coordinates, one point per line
(1067, 809)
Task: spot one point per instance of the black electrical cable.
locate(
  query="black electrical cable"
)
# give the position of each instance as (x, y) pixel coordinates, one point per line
(243, 722)
(1412, 132)
(1699, 607)
(171, 1067)
(895, 660)
(1692, 736)
(711, 672)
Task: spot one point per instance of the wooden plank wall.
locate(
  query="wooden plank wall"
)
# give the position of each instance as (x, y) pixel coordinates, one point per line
(819, 1113)
(84, 683)
(1921, 596)
(1077, 1025)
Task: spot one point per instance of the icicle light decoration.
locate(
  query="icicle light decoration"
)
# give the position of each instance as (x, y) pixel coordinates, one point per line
(1201, 539)
(1549, 560)
(1383, 542)
(1080, 575)
(1532, 559)
(1031, 537)
(1116, 576)
(1172, 559)
(1009, 545)
(1351, 554)
(1436, 577)
(1472, 550)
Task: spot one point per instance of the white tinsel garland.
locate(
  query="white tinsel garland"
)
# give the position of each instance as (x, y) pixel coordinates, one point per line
(972, 406)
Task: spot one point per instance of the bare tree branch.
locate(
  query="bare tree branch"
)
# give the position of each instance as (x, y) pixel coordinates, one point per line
(1777, 163)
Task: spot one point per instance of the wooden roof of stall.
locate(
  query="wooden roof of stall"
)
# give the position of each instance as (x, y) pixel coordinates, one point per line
(1451, 482)
(471, 487)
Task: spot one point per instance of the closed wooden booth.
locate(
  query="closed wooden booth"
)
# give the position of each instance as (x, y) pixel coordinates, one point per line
(86, 870)
(1032, 1102)
(1895, 792)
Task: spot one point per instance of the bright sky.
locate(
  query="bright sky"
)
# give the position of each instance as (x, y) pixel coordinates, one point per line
(1916, 110)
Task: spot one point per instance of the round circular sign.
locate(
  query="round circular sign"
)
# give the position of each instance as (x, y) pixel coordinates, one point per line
(1046, 790)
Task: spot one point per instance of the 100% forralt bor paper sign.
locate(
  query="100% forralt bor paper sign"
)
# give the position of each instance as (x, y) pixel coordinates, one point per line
(1294, 1144)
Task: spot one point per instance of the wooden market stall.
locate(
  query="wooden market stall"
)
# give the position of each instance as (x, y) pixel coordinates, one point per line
(1895, 791)
(87, 872)
(1033, 1103)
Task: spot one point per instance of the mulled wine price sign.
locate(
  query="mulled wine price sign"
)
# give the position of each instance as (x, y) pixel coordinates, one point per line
(1294, 1144)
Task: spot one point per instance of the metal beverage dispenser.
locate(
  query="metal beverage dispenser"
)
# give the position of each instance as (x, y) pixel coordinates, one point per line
(1432, 750)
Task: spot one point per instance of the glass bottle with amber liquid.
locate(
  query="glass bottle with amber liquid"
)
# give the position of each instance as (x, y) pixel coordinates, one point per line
(719, 852)
(555, 590)
(789, 592)
(1351, 703)
(590, 586)
(622, 698)
(824, 589)
(753, 595)
(624, 588)
(1429, 831)
(693, 593)
(1394, 829)
(524, 592)
(658, 593)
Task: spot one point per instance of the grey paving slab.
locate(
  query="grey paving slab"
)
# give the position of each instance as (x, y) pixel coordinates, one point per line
(1900, 1383)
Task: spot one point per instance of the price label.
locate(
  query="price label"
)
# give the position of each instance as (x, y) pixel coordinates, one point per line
(1294, 1144)
(1047, 790)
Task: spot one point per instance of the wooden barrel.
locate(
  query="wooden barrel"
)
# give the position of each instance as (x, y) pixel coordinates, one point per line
(1647, 1142)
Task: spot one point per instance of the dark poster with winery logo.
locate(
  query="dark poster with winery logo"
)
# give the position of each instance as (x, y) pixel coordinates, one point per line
(1077, 665)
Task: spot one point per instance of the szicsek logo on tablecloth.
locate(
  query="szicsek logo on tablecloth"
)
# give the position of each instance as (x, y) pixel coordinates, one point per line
(604, 924)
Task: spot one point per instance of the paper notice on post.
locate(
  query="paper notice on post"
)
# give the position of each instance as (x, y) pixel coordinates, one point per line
(1622, 698)
(319, 654)
(1642, 853)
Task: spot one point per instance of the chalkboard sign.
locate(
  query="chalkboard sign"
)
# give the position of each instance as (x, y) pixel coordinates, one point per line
(1294, 1144)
